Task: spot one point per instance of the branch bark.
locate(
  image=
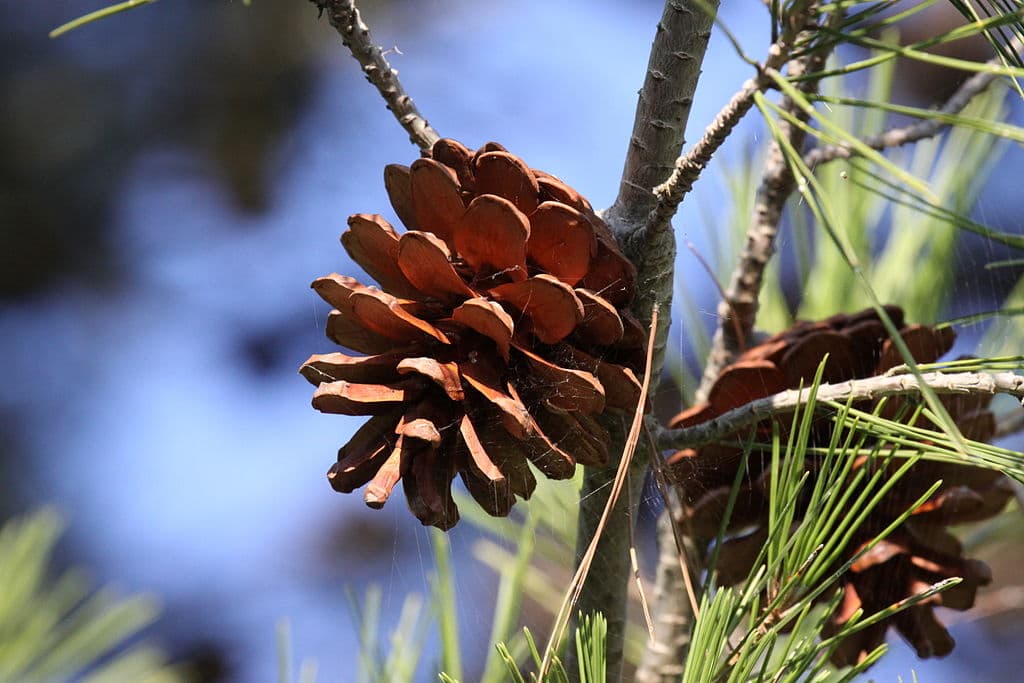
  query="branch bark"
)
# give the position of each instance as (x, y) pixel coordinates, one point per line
(665, 656)
(738, 311)
(663, 109)
(905, 135)
(659, 128)
(871, 388)
(689, 166)
(355, 35)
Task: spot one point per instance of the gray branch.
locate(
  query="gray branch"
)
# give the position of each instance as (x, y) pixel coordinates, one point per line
(665, 656)
(355, 35)
(872, 388)
(659, 126)
(738, 311)
(663, 108)
(905, 135)
(689, 166)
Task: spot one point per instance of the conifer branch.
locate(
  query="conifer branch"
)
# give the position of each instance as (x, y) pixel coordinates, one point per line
(355, 35)
(905, 135)
(662, 112)
(869, 389)
(665, 656)
(738, 311)
(659, 128)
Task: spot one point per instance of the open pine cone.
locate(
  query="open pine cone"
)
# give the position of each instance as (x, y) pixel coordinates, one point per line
(498, 335)
(917, 554)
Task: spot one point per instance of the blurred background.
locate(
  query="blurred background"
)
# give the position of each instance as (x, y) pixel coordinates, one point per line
(172, 179)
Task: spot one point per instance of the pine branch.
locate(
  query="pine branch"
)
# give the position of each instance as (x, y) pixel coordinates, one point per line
(738, 311)
(665, 656)
(689, 166)
(905, 135)
(872, 388)
(355, 35)
(659, 128)
(605, 535)
(663, 109)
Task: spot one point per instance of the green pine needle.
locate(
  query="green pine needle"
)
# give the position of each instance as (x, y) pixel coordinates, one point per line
(59, 630)
(97, 15)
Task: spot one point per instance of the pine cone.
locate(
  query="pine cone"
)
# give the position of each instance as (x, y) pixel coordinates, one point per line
(918, 553)
(498, 336)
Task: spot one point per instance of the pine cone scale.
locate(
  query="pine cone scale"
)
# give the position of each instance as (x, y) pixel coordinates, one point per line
(491, 236)
(426, 263)
(362, 456)
(373, 243)
(347, 398)
(398, 183)
(514, 415)
(562, 242)
(577, 434)
(488, 319)
(436, 199)
(551, 307)
(503, 175)
(331, 367)
(601, 324)
(390, 473)
(427, 490)
(565, 389)
(445, 375)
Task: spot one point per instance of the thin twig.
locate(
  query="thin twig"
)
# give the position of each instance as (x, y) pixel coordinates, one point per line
(905, 135)
(355, 35)
(777, 184)
(872, 388)
(634, 562)
(689, 166)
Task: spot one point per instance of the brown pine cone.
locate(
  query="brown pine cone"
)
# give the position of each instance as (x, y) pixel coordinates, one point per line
(918, 553)
(498, 335)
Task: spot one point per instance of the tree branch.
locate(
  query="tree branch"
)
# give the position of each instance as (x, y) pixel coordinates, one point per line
(872, 388)
(355, 35)
(897, 137)
(689, 166)
(605, 536)
(738, 311)
(663, 109)
(659, 128)
(665, 656)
